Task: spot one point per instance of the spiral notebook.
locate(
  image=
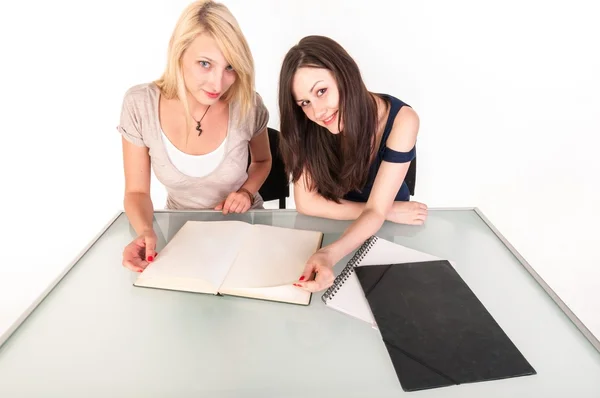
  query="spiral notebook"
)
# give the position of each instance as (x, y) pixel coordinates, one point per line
(346, 294)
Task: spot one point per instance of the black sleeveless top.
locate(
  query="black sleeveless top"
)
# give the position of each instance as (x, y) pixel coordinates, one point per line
(387, 154)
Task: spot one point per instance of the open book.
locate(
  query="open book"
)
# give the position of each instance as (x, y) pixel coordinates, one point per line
(234, 258)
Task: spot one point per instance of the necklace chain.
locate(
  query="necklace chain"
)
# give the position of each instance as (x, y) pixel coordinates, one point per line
(198, 126)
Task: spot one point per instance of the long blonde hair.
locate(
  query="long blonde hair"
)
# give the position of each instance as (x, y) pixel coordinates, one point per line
(216, 19)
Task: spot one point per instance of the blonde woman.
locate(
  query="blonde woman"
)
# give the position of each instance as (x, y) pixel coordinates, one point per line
(193, 127)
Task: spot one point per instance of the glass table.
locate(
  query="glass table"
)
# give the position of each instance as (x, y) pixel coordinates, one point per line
(93, 334)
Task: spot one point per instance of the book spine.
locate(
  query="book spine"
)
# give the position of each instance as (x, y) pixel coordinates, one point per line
(349, 268)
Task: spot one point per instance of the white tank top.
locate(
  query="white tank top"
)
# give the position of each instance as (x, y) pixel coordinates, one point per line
(194, 165)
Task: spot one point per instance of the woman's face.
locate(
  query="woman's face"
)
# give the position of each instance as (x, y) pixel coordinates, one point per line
(316, 92)
(206, 72)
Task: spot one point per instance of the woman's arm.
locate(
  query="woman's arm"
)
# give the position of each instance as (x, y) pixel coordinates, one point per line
(381, 200)
(312, 204)
(137, 202)
(258, 171)
(260, 166)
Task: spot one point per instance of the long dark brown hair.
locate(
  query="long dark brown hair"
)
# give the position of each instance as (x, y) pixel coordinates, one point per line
(335, 163)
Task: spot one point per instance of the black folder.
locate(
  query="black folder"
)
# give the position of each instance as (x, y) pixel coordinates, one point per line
(436, 331)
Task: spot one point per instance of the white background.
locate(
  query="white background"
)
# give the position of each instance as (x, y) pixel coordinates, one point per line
(507, 92)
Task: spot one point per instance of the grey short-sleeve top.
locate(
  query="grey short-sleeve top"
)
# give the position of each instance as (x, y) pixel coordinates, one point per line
(140, 125)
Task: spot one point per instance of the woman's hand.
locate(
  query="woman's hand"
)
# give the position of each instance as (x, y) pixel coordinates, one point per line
(411, 213)
(140, 252)
(236, 202)
(318, 272)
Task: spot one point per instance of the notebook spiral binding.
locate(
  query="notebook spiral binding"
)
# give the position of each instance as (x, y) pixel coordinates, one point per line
(349, 268)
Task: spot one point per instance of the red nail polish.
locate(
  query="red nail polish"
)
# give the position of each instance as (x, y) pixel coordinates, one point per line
(302, 278)
(150, 258)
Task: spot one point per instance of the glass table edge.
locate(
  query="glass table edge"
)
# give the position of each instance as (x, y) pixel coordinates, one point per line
(549, 291)
(17, 323)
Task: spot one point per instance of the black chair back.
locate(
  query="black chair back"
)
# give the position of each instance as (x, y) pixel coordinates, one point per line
(276, 186)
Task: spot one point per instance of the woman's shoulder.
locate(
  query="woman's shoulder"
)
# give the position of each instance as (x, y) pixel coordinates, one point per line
(397, 110)
(141, 92)
(140, 102)
(138, 112)
(257, 118)
(256, 103)
(258, 100)
(256, 106)
(404, 127)
(393, 101)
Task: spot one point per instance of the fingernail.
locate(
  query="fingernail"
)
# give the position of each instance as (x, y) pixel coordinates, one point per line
(302, 278)
(140, 270)
(150, 258)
